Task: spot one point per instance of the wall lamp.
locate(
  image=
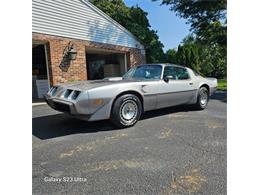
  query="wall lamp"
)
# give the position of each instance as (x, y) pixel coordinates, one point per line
(71, 52)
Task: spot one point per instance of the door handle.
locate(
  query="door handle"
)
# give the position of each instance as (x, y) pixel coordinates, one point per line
(191, 83)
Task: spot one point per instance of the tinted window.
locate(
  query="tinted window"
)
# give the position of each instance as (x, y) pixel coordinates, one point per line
(146, 72)
(169, 71)
(177, 73)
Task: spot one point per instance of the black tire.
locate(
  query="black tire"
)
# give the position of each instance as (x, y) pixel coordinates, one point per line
(202, 99)
(126, 111)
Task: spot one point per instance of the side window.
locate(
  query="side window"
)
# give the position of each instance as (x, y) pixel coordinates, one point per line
(181, 73)
(168, 71)
(177, 73)
(195, 73)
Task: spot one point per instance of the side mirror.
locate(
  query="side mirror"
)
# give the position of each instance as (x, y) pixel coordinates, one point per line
(167, 78)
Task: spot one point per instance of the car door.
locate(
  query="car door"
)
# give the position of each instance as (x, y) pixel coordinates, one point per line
(177, 90)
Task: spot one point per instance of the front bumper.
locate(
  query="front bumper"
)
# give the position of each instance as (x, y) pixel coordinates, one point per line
(81, 110)
(65, 107)
(60, 105)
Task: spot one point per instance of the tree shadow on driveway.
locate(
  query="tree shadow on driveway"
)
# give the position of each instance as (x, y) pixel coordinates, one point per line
(57, 125)
(51, 126)
(220, 95)
(166, 111)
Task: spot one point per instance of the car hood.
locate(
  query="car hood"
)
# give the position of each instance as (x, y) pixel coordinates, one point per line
(86, 85)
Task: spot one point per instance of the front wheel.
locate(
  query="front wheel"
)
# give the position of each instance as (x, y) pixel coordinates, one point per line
(126, 111)
(202, 99)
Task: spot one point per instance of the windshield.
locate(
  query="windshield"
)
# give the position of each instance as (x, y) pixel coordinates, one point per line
(144, 72)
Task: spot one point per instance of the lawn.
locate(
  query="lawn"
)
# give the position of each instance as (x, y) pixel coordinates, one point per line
(222, 84)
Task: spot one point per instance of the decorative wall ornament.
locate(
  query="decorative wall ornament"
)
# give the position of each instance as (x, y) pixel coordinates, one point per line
(69, 54)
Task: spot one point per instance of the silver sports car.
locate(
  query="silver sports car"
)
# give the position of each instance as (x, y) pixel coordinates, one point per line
(123, 99)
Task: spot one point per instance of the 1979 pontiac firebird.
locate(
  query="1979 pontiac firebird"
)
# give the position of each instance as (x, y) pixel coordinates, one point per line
(123, 99)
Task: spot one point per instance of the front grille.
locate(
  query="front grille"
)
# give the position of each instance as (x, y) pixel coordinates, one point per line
(75, 94)
(61, 107)
(67, 93)
(71, 94)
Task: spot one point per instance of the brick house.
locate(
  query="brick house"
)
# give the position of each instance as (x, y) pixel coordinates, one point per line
(73, 40)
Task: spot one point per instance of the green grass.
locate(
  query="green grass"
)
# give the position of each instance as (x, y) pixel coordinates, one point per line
(222, 84)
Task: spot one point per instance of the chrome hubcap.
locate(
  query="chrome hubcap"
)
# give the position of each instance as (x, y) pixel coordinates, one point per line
(203, 97)
(128, 110)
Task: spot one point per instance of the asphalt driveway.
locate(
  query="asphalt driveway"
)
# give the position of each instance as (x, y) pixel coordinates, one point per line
(170, 151)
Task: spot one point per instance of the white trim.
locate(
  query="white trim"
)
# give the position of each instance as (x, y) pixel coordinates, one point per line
(125, 63)
(47, 64)
(86, 2)
(39, 104)
(79, 38)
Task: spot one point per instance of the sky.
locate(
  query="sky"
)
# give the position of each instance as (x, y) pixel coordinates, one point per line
(171, 28)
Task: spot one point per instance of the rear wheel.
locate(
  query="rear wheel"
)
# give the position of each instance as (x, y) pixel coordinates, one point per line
(202, 99)
(126, 111)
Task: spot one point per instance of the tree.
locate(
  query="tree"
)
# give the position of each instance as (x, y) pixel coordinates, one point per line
(135, 20)
(170, 56)
(204, 59)
(205, 50)
(207, 18)
(187, 55)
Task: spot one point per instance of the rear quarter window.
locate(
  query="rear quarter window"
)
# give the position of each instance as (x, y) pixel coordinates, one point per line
(195, 73)
(181, 73)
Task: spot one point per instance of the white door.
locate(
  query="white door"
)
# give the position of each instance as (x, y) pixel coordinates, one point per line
(40, 77)
(178, 90)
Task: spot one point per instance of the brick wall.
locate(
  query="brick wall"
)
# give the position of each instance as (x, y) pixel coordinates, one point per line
(62, 70)
(136, 57)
